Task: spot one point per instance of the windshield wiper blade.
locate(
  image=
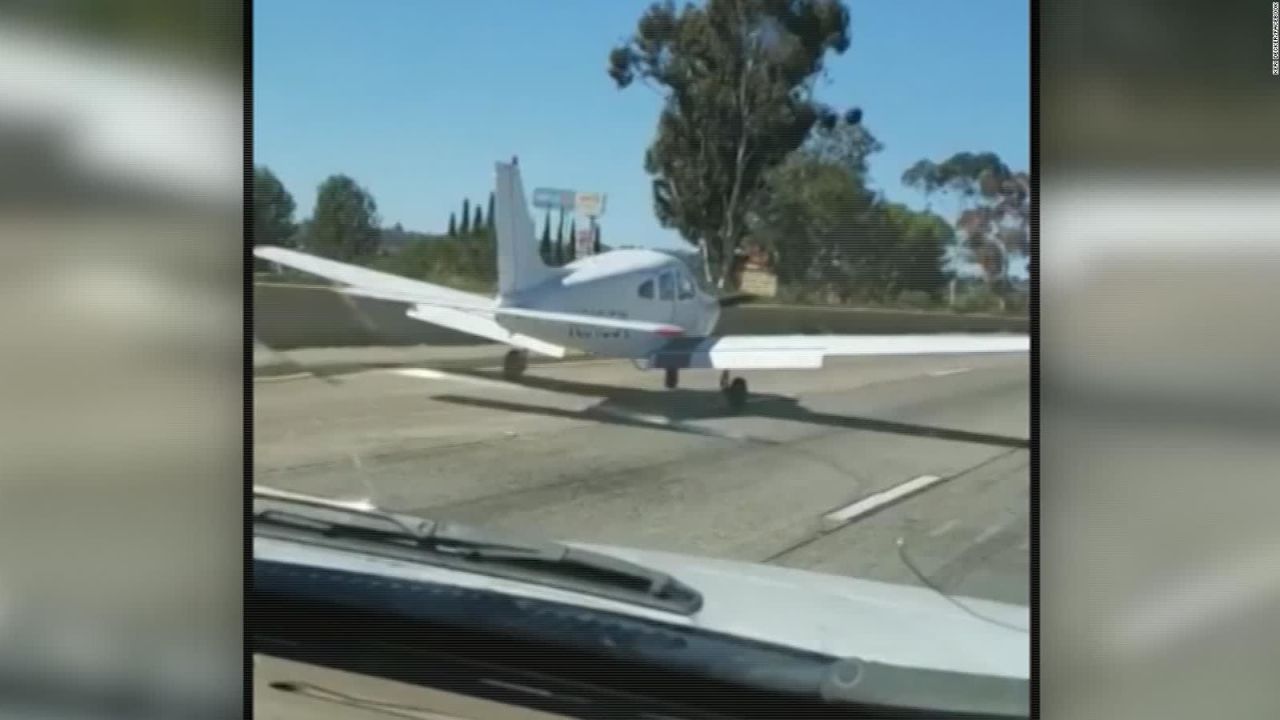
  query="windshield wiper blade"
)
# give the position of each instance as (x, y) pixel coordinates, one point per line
(477, 550)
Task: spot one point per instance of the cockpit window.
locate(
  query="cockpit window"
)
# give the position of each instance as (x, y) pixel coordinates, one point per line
(646, 289)
(686, 287)
(666, 286)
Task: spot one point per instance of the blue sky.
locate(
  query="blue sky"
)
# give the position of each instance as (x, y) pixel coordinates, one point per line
(416, 99)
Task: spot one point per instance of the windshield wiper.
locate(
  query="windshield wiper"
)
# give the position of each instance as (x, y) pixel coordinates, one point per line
(469, 548)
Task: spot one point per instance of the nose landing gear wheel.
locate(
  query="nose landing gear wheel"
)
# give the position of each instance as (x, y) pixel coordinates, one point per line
(514, 364)
(672, 378)
(736, 394)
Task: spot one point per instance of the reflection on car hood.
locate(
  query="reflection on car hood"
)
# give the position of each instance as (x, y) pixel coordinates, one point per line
(848, 617)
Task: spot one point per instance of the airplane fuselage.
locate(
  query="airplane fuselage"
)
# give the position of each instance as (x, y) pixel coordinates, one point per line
(643, 285)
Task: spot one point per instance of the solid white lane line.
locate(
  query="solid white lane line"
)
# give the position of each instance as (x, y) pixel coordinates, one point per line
(944, 373)
(847, 514)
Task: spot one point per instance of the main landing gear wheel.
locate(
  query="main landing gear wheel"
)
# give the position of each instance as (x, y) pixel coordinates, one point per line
(672, 378)
(735, 393)
(514, 363)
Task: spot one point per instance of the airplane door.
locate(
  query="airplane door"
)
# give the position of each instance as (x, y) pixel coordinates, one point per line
(686, 310)
(666, 300)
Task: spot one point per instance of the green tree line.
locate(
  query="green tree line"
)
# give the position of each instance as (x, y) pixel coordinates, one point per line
(830, 237)
(345, 226)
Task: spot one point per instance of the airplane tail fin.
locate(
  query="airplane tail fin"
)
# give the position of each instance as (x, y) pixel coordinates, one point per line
(519, 264)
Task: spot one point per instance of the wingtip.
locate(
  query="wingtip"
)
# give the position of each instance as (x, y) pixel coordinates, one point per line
(269, 251)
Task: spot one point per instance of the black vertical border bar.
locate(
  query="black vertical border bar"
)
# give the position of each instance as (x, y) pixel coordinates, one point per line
(246, 530)
(1034, 329)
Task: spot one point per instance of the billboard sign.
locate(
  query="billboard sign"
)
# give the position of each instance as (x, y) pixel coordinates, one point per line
(589, 204)
(553, 199)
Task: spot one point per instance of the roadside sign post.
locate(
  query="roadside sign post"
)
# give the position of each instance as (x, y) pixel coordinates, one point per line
(591, 206)
(584, 243)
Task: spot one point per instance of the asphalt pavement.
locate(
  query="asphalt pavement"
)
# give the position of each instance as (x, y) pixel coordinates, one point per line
(893, 469)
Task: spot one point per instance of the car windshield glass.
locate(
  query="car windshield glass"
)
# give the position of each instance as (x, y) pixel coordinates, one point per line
(726, 361)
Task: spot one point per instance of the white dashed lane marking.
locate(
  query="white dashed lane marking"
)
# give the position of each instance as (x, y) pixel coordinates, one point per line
(847, 514)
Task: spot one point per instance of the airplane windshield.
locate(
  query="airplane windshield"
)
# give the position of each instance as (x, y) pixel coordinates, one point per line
(686, 286)
(782, 354)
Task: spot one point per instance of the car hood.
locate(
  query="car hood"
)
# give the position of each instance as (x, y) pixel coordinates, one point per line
(840, 617)
(901, 625)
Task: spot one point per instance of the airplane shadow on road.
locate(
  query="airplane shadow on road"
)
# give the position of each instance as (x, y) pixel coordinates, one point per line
(672, 410)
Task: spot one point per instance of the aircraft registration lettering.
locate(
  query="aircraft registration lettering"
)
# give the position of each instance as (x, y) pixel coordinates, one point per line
(589, 333)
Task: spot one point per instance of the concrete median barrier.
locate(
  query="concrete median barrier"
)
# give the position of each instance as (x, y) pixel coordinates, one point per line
(303, 316)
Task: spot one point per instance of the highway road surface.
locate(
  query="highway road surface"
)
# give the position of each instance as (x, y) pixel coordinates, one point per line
(825, 470)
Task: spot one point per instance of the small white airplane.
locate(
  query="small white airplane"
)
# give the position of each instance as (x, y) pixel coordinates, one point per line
(640, 305)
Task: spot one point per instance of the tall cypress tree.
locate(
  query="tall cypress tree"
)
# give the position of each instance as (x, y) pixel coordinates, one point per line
(453, 225)
(595, 243)
(571, 251)
(489, 217)
(544, 247)
(466, 217)
(477, 226)
(558, 256)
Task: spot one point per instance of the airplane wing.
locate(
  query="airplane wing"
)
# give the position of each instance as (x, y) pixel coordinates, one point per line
(454, 309)
(372, 283)
(799, 352)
